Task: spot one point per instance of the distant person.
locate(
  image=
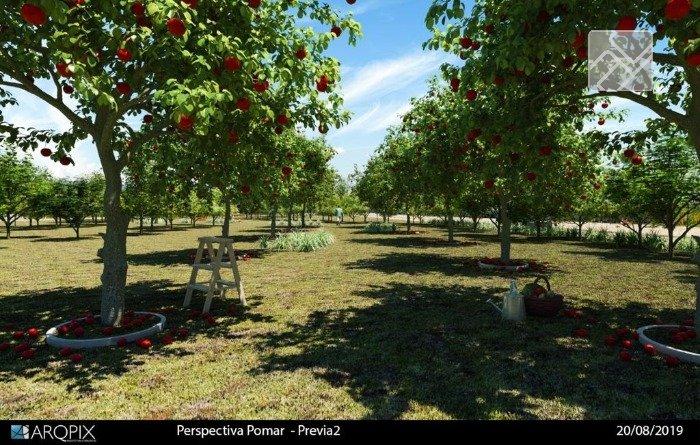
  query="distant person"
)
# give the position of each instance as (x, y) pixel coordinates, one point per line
(339, 214)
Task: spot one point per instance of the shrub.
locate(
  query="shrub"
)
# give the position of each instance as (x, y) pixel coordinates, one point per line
(298, 241)
(314, 224)
(687, 246)
(654, 242)
(597, 236)
(377, 227)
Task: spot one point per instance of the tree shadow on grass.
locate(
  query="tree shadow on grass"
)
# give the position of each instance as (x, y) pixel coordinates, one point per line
(422, 263)
(612, 253)
(66, 239)
(45, 309)
(444, 349)
(408, 241)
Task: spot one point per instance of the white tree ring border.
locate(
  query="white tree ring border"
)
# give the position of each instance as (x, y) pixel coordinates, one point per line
(519, 268)
(53, 339)
(686, 356)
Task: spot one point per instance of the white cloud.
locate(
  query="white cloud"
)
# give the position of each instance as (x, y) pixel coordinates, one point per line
(382, 77)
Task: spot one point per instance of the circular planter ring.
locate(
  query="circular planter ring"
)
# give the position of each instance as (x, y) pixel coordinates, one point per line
(519, 268)
(53, 339)
(686, 356)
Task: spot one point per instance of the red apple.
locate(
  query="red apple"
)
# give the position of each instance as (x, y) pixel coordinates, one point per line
(601, 121)
(579, 40)
(475, 45)
(337, 31)
(672, 362)
(677, 9)
(191, 3)
(626, 23)
(138, 9)
(46, 152)
(286, 171)
(28, 353)
(580, 333)
(65, 352)
(63, 330)
(68, 89)
(63, 69)
(176, 27)
(124, 54)
(76, 357)
(20, 348)
(625, 356)
(233, 137)
(488, 28)
(4, 346)
(637, 160)
(144, 343)
(148, 118)
(121, 342)
(351, 2)
(627, 344)
(498, 81)
(243, 104)
(261, 85)
(496, 139)
(182, 333)
(33, 14)
(545, 150)
(301, 53)
(471, 95)
(649, 349)
(124, 88)
(582, 53)
(629, 153)
(531, 176)
(107, 331)
(489, 183)
(17, 335)
(254, 3)
(454, 84)
(693, 59)
(610, 340)
(79, 331)
(232, 63)
(65, 160)
(282, 120)
(186, 122)
(33, 332)
(167, 339)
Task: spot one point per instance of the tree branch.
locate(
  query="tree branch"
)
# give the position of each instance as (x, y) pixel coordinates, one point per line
(661, 110)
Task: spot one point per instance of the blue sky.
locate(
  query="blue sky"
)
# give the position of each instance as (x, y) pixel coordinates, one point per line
(380, 75)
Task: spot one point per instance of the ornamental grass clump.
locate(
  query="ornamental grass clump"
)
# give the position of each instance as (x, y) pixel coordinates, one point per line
(298, 241)
(377, 227)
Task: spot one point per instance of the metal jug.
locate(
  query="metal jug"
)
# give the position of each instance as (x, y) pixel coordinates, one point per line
(513, 307)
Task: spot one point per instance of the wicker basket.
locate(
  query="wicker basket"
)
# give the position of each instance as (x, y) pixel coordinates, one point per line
(547, 305)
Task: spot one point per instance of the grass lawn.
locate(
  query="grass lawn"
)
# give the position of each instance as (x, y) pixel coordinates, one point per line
(374, 326)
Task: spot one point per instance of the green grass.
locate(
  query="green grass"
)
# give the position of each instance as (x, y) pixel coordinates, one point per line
(298, 241)
(391, 326)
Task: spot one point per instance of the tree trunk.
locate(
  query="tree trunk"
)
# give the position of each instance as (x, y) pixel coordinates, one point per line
(538, 229)
(505, 229)
(226, 225)
(408, 222)
(77, 232)
(697, 284)
(194, 221)
(273, 222)
(640, 238)
(289, 219)
(141, 225)
(365, 216)
(114, 250)
(475, 223)
(8, 229)
(671, 245)
(580, 230)
(303, 215)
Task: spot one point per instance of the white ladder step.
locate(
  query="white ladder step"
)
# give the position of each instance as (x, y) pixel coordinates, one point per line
(204, 287)
(227, 283)
(210, 266)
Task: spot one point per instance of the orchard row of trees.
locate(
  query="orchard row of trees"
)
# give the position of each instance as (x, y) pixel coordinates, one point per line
(663, 190)
(302, 184)
(31, 193)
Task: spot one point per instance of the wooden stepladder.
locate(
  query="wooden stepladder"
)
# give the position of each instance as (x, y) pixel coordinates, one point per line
(223, 257)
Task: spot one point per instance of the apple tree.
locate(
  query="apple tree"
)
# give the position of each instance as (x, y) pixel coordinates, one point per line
(18, 177)
(127, 72)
